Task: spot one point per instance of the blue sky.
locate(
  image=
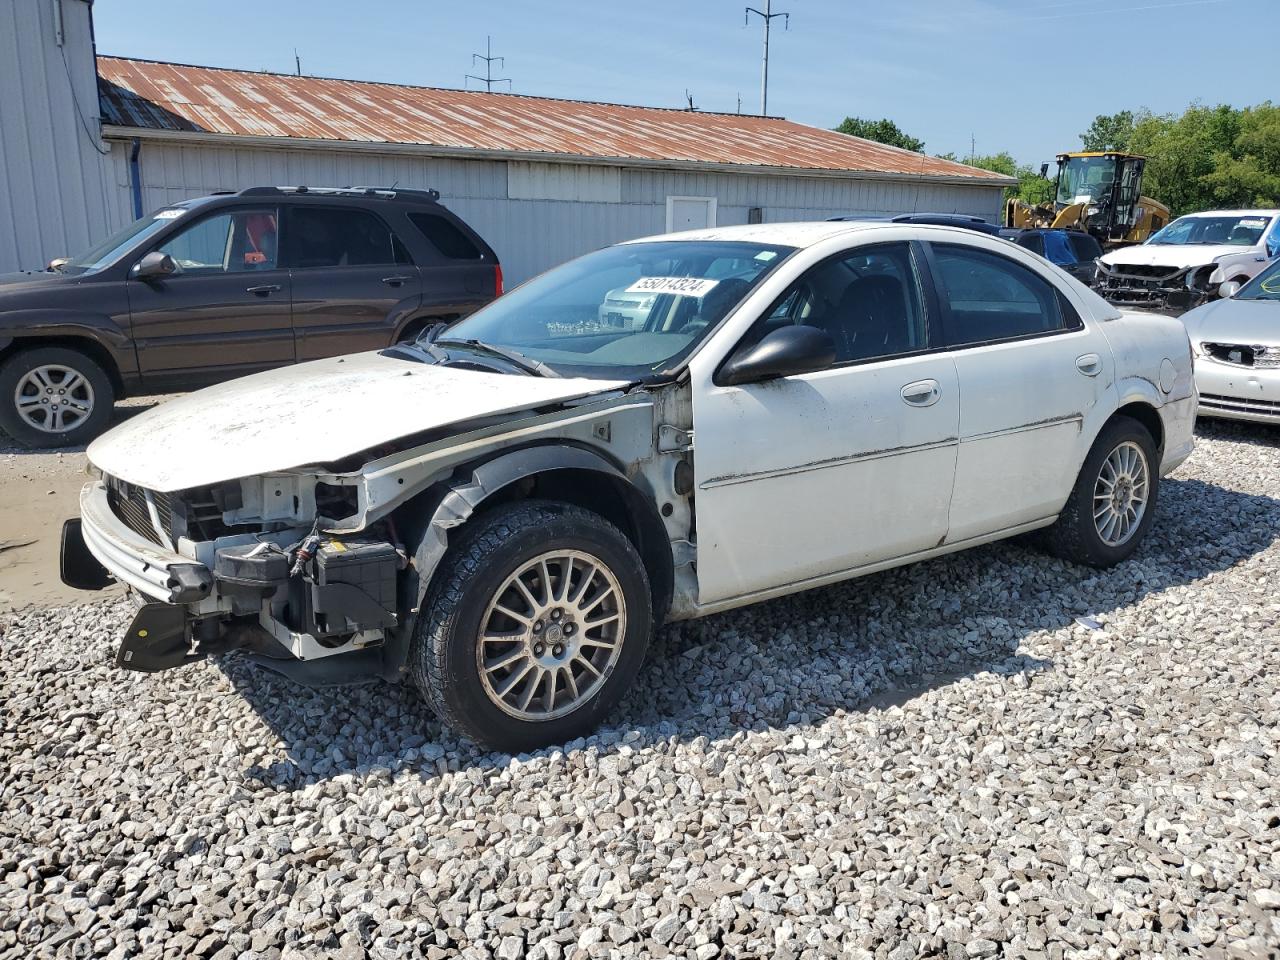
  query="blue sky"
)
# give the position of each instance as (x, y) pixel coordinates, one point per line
(944, 70)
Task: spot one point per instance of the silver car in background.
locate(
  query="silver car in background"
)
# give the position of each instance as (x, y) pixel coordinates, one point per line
(1236, 341)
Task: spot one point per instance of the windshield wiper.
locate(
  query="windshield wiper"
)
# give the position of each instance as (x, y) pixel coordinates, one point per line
(535, 367)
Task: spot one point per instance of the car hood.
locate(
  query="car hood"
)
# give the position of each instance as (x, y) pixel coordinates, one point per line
(311, 413)
(1235, 321)
(29, 277)
(1175, 255)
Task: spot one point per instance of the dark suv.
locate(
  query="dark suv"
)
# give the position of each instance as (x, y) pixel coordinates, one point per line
(225, 285)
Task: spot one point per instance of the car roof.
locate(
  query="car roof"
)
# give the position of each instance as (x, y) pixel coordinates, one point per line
(1232, 213)
(804, 233)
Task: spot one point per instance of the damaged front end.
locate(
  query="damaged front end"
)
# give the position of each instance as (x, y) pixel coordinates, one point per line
(1157, 286)
(300, 565)
(241, 564)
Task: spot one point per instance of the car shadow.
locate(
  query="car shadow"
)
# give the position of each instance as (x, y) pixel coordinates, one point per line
(874, 643)
(123, 411)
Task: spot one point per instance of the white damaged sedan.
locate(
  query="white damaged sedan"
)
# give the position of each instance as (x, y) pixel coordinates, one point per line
(503, 512)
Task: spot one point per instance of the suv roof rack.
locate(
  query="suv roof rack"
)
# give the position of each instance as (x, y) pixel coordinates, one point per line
(383, 193)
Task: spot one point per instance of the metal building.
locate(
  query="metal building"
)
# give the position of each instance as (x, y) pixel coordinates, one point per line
(58, 179)
(543, 180)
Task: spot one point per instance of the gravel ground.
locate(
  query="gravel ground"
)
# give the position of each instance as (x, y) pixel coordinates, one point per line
(994, 754)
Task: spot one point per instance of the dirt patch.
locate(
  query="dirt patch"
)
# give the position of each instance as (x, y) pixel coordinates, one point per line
(39, 489)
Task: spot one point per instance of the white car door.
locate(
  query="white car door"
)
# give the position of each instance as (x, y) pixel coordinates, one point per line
(818, 473)
(1034, 381)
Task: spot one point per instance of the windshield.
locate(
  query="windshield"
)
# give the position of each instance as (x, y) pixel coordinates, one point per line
(1085, 179)
(1265, 286)
(1242, 231)
(624, 312)
(112, 248)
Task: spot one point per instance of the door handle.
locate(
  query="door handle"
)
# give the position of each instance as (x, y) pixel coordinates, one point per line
(921, 393)
(263, 290)
(1090, 364)
(396, 281)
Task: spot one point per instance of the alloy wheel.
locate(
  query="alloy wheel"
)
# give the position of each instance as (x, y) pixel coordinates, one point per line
(54, 398)
(1120, 494)
(551, 635)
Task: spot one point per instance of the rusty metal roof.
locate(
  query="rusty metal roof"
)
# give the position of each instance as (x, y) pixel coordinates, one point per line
(173, 97)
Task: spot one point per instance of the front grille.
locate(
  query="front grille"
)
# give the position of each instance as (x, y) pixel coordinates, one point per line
(1144, 271)
(1243, 355)
(129, 503)
(1215, 401)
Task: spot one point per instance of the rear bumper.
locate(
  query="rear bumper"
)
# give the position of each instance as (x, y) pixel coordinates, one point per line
(1238, 393)
(149, 568)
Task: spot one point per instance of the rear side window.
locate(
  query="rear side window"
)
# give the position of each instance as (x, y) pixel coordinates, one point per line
(443, 234)
(993, 298)
(340, 237)
(1033, 242)
(1085, 246)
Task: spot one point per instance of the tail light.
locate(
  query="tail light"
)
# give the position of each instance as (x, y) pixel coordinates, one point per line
(497, 279)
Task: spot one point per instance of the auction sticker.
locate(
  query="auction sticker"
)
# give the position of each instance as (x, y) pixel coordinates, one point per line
(680, 286)
(169, 214)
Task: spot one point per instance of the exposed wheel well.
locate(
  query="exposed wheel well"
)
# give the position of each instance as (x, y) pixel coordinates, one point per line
(614, 499)
(85, 345)
(415, 326)
(1146, 415)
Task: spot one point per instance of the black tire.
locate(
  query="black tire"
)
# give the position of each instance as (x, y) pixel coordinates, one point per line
(491, 549)
(1075, 535)
(81, 427)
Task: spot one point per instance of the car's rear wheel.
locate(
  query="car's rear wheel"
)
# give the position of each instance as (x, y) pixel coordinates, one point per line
(536, 623)
(1113, 502)
(54, 397)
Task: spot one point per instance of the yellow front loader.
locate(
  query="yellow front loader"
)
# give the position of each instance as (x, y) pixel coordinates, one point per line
(1100, 193)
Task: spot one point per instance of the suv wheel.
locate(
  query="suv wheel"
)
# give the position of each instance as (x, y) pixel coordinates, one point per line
(1114, 499)
(54, 397)
(535, 625)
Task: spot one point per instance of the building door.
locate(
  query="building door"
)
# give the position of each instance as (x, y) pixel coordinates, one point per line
(690, 213)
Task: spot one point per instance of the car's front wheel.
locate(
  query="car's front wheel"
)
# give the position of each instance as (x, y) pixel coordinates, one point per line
(536, 623)
(1113, 502)
(54, 397)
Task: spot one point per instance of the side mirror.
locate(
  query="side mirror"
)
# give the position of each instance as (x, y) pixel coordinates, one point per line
(1228, 290)
(1044, 171)
(155, 264)
(783, 353)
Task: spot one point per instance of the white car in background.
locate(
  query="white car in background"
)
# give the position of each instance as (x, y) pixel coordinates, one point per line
(503, 513)
(1186, 262)
(1237, 347)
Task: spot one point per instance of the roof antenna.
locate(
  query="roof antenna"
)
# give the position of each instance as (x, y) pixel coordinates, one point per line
(689, 96)
(297, 61)
(767, 15)
(489, 60)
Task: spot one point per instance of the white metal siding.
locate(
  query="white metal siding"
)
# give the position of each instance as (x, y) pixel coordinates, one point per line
(56, 194)
(563, 181)
(527, 214)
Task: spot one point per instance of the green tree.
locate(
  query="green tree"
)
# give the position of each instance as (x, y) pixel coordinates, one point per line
(1109, 132)
(881, 131)
(1032, 188)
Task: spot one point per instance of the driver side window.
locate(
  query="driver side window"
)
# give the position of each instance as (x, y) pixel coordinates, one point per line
(869, 302)
(232, 242)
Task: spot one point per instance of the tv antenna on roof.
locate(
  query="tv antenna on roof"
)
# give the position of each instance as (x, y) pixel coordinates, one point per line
(767, 15)
(489, 60)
